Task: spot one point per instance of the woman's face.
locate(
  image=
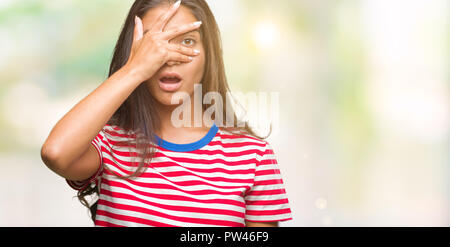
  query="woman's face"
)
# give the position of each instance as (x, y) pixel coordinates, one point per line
(192, 72)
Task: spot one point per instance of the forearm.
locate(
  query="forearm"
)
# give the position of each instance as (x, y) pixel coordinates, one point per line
(72, 134)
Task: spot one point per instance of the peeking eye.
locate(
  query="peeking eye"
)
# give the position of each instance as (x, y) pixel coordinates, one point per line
(188, 42)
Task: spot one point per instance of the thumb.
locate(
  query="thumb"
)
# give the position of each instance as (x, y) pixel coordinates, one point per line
(138, 29)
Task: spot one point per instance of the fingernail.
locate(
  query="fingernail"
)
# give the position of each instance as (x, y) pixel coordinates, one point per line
(197, 23)
(191, 58)
(196, 51)
(177, 4)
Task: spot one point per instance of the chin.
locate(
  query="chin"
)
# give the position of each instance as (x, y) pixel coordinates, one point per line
(166, 100)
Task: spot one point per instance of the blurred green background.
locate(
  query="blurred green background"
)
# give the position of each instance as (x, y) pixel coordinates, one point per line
(364, 88)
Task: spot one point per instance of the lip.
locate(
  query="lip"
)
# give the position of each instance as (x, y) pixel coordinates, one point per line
(169, 87)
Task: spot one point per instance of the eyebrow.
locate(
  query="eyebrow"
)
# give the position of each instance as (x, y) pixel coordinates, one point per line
(193, 31)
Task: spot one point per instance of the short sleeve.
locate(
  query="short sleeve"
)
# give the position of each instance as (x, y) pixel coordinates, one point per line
(97, 142)
(267, 199)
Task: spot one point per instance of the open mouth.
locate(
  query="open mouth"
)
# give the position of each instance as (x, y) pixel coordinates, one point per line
(170, 81)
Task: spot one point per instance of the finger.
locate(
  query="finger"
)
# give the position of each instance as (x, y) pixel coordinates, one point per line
(170, 34)
(163, 19)
(178, 57)
(183, 50)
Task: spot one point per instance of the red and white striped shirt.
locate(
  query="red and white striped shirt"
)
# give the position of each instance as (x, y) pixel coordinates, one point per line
(220, 180)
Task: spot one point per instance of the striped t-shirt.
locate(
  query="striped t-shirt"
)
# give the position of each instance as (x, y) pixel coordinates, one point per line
(220, 180)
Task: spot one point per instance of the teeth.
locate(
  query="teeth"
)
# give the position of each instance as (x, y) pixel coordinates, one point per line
(170, 78)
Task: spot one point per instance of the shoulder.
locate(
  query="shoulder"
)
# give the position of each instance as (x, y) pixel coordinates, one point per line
(240, 136)
(243, 140)
(113, 128)
(112, 132)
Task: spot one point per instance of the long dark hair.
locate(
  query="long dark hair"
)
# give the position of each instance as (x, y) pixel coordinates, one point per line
(137, 113)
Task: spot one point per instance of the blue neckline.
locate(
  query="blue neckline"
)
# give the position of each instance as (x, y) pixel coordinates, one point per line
(189, 146)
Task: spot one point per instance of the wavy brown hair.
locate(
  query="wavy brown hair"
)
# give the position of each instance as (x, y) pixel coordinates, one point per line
(137, 114)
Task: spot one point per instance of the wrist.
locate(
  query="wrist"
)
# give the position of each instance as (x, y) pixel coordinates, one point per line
(132, 73)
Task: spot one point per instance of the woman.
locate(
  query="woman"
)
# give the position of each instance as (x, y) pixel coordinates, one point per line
(195, 175)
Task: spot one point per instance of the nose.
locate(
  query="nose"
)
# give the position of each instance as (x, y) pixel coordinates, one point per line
(170, 64)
